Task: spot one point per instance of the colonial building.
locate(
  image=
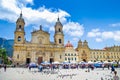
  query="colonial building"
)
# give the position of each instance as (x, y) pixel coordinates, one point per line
(70, 55)
(107, 54)
(40, 48)
(83, 51)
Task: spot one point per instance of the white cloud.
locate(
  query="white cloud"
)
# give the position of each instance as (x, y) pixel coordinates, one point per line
(115, 25)
(73, 29)
(98, 40)
(47, 17)
(104, 35)
(107, 35)
(10, 10)
(29, 1)
(75, 39)
(117, 36)
(95, 30)
(94, 33)
(91, 34)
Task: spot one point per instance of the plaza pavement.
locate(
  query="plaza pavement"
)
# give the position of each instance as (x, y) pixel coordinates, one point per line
(57, 74)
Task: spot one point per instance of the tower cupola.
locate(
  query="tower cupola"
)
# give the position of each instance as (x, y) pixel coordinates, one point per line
(19, 32)
(79, 44)
(58, 26)
(85, 44)
(59, 36)
(20, 19)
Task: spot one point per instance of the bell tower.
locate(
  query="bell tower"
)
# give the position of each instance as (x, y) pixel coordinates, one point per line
(19, 32)
(59, 36)
(79, 44)
(85, 44)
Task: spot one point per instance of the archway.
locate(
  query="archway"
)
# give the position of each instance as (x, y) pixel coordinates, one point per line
(28, 60)
(51, 60)
(84, 60)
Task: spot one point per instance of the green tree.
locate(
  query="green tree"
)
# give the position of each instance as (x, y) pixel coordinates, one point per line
(3, 55)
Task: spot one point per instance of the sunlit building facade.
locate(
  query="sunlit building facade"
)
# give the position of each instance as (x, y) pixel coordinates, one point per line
(70, 55)
(40, 48)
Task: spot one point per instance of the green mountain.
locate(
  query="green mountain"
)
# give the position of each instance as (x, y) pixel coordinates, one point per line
(8, 45)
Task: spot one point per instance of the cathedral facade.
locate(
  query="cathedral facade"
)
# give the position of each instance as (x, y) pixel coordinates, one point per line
(40, 48)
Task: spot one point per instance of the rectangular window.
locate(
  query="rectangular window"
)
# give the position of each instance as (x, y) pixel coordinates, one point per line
(75, 59)
(71, 54)
(65, 58)
(18, 56)
(68, 54)
(68, 58)
(60, 41)
(71, 58)
(65, 54)
(75, 54)
(60, 56)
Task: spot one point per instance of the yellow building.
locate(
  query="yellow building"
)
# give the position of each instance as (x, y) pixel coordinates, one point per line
(107, 54)
(40, 48)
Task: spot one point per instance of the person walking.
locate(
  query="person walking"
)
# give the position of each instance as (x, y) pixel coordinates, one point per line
(5, 67)
(112, 68)
(115, 77)
(108, 66)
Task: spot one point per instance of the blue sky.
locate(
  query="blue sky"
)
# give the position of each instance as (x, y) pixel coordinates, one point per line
(97, 21)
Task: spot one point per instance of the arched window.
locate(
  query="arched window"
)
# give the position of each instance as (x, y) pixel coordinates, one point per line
(59, 30)
(19, 38)
(20, 26)
(60, 41)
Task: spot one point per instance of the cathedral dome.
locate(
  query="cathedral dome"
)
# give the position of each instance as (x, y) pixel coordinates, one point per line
(68, 44)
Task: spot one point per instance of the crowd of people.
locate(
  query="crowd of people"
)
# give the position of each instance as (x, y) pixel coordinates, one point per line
(69, 66)
(66, 66)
